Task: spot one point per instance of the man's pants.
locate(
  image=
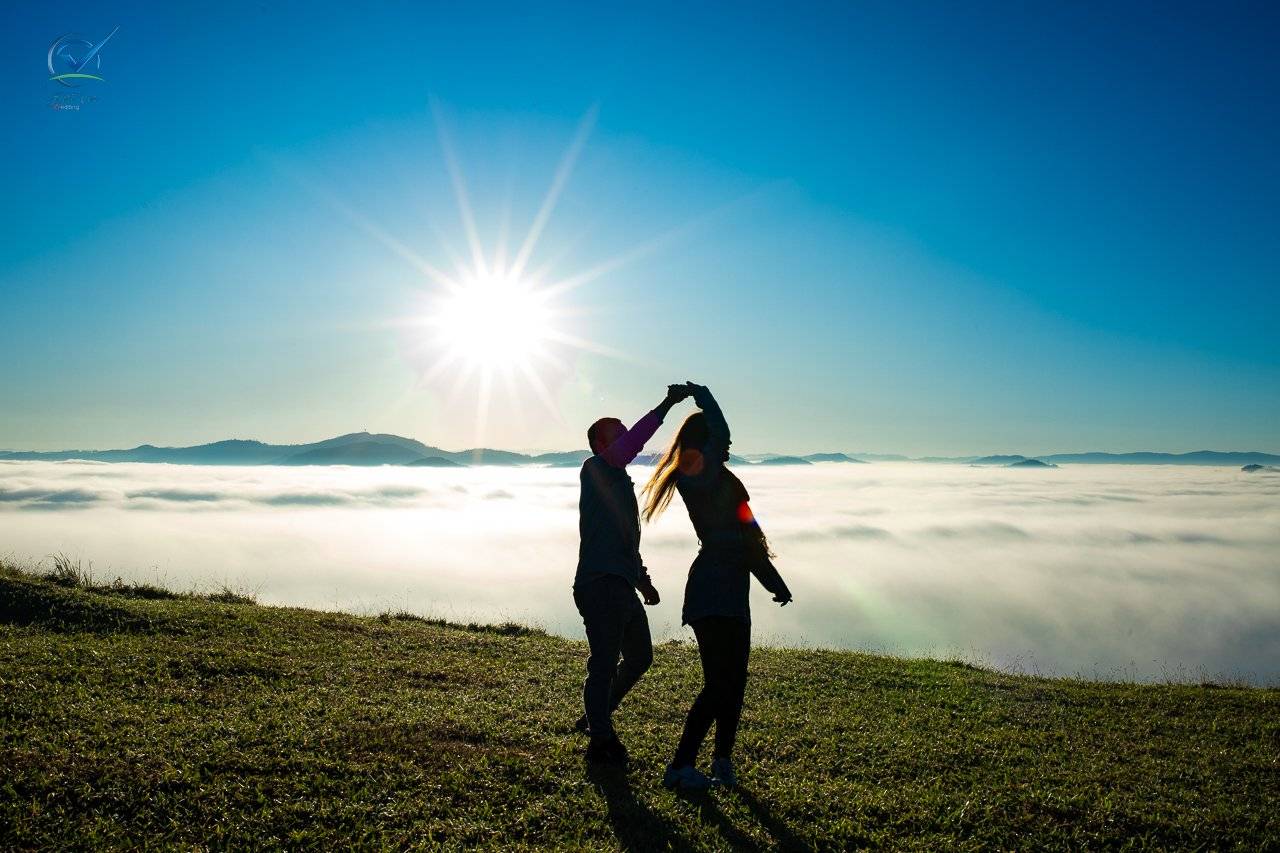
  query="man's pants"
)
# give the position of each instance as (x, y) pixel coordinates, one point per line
(616, 625)
(724, 644)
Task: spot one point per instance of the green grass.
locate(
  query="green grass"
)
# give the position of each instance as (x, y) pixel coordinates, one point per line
(131, 719)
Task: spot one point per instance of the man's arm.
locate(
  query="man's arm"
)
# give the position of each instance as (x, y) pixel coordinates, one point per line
(628, 445)
(647, 590)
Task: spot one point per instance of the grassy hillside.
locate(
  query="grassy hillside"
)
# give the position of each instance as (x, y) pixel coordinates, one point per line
(129, 715)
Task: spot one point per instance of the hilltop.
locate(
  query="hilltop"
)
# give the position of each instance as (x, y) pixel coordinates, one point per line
(131, 716)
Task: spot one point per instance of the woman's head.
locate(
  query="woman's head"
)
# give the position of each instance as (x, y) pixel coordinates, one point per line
(683, 455)
(693, 432)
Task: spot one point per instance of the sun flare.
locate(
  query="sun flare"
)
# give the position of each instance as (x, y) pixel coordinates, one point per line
(492, 326)
(494, 322)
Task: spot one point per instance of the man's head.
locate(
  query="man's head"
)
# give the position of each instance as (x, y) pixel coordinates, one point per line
(604, 432)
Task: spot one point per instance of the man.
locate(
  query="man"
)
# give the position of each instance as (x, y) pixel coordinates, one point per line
(610, 571)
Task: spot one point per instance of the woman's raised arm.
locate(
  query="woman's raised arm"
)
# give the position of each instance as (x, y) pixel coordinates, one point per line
(716, 451)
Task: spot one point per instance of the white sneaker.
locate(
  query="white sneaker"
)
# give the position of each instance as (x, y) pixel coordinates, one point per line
(686, 778)
(722, 772)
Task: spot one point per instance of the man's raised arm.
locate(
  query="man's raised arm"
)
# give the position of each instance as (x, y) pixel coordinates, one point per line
(627, 446)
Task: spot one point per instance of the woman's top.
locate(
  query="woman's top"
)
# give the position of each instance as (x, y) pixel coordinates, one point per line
(733, 548)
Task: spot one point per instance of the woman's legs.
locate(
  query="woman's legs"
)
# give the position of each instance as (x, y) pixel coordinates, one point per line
(737, 653)
(724, 644)
(703, 712)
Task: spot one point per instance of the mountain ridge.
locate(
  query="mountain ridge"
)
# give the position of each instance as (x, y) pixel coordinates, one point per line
(365, 448)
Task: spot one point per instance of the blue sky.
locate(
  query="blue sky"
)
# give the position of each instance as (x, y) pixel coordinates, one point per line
(888, 227)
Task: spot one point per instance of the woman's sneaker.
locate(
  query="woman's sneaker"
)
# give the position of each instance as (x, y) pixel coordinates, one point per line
(722, 772)
(687, 778)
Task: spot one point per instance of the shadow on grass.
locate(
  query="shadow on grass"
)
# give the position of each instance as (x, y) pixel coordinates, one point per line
(636, 826)
(710, 814)
(787, 840)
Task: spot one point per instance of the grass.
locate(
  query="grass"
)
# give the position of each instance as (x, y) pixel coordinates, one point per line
(132, 719)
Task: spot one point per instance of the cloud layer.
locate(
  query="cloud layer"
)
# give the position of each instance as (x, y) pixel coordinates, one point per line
(1144, 572)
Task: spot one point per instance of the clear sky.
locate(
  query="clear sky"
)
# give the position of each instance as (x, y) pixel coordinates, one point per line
(930, 229)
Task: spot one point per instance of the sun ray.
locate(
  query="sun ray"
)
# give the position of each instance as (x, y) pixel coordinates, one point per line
(504, 231)
(459, 189)
(438, 368)
(649, 247)
(459, 264)
(368, 226)
(563, 171)
(541, 392)
(513, 396)
(592, 347)
(460, 381)
(482, 406)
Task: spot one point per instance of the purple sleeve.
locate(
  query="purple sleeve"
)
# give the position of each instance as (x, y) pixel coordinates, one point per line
(630, 443)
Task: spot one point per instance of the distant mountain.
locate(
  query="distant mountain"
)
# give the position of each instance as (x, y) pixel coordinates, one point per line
(652, 459)
(784, 460)
(485, 456)
(565, 459)
(377, 438)
(829, 457)
(1031, 463)
(434, 462)
(1197, 457)
(360, 453)
(364, 448)
(230, 452)
(472, 456)
(998, 460)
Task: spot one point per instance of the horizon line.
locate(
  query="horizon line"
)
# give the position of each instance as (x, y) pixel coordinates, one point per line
(767, 453)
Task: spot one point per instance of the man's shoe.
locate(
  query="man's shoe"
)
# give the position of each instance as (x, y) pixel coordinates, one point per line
(606, 750)
(687, 778)
(581, 727)
(722, 772)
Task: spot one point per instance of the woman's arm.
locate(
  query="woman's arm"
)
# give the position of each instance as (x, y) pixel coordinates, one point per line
(716, 451)
(762, 566)
(769, 578)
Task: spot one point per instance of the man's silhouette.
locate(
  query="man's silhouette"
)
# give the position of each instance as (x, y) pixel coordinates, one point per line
(610, 571)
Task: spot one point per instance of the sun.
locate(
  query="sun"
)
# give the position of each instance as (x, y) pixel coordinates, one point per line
(493, 325)
(493, 322)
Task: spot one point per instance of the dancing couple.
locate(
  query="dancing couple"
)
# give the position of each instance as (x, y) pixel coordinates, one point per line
(611, 573)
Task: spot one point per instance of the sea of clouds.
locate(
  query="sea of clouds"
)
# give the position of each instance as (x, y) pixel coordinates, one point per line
(1117, 572)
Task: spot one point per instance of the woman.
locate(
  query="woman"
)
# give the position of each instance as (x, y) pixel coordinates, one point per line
(715, 596)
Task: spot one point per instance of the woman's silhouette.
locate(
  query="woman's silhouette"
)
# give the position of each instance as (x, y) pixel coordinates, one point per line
(733, 547)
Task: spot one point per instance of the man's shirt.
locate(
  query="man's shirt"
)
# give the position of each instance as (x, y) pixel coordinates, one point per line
(608, 513)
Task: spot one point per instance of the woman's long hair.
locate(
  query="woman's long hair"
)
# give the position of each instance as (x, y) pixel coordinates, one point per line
(691, 436)
(684, 456)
